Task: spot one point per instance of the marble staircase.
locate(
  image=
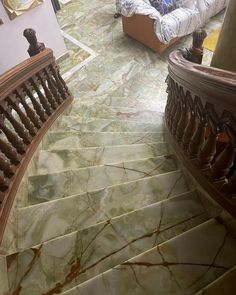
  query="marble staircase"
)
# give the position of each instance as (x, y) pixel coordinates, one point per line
(107, 209)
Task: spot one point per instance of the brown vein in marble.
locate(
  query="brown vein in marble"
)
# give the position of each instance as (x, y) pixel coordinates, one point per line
(213, 261)
(37, 253)
(136, 170)
(76, 270)
(174, 185)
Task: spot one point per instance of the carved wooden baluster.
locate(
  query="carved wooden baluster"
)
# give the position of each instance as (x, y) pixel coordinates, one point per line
(225, 160)
(6, 167)
(197, 139)
(230, 187)
(47, 105)
(18, 127)
(175, 111)
(55, 86)
(183, 122)
(49, 95)
(30, 113)
(4, 183)
(176, 118)
(24, 119)
(9, 152)
(208, 150)
(13, 138)
(189, 131)
(54, 67)
(39, 110)
(223, 163)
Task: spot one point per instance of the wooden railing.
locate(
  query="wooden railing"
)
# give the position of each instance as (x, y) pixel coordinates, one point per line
(200, 118)
(32, 95)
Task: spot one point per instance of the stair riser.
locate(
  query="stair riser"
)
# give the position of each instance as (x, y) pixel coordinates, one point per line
(83, 124)
(45, 221)
(58, 185)
(104, 246)
(179, 266)
(54, 161)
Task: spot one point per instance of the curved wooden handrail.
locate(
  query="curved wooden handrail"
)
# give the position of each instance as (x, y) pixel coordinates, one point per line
(201, 125)
(32, 96)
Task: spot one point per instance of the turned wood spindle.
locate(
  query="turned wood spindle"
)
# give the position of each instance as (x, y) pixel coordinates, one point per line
(197, 140)
(195, 53)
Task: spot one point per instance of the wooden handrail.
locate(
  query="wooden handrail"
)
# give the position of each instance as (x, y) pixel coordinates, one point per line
(200, 118)
(32, 96)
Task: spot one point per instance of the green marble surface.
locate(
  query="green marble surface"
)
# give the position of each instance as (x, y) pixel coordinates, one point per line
(175, 267)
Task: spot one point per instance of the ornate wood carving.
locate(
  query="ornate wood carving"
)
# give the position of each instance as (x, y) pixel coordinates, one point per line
(35, 47)
(201, 123)
(29, 104)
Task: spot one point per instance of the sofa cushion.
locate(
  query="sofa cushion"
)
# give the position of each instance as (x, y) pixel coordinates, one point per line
(164, 6)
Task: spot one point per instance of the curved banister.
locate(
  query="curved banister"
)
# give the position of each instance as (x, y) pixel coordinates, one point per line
(201, 125)
(32, 96)
(213, 84)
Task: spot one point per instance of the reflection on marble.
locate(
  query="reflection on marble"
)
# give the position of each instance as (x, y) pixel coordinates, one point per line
(179, 266)
(58, 160)
(48, 220)
(47, 187)
(76, 56)
(225, 285)
(91, 124)
(64, 262)
(88, 220)
(64, 140)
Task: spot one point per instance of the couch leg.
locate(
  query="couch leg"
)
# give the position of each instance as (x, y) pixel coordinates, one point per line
(116, 15)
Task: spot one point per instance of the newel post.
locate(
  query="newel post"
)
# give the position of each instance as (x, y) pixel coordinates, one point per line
(35, 47)
(195, 53)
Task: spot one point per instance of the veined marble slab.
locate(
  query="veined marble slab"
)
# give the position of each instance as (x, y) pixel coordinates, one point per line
(59, 160)
(90, 124)
(120, 113)
(64, 262)
(148, 103)
(64, 140)
(47, 187)
(182, 265)
(48, 220)
(225, 285)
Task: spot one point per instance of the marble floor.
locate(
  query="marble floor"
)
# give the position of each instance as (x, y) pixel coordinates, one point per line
(105, 207)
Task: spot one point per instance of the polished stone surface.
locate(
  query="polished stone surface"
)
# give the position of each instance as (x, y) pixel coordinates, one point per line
(179, 266)
(103, 188)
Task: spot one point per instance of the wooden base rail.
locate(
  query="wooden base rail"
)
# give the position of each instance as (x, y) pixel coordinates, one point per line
(32, 96)
(200, 117)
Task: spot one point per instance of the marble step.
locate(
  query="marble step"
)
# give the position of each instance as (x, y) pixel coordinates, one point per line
(64, 140)
(62, 263)
(120, 113)
(85, 124)
(46, 187)
(45, 221)
(225, 285)
(182, 265)
(118, 101)
(58, 160)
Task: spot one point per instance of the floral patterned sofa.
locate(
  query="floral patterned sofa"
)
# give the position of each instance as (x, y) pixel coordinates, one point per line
(145, 23)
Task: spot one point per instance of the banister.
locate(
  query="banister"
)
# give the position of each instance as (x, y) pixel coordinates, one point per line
(200, 119)
(32, 96)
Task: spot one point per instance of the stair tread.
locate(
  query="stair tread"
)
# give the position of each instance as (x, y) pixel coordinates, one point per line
(104, 111)
(81, 211)
(58, 160)
(104, 245)
(181, 265)
(224, 285)
(83, 123)
(94, 139)
(58, 185)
